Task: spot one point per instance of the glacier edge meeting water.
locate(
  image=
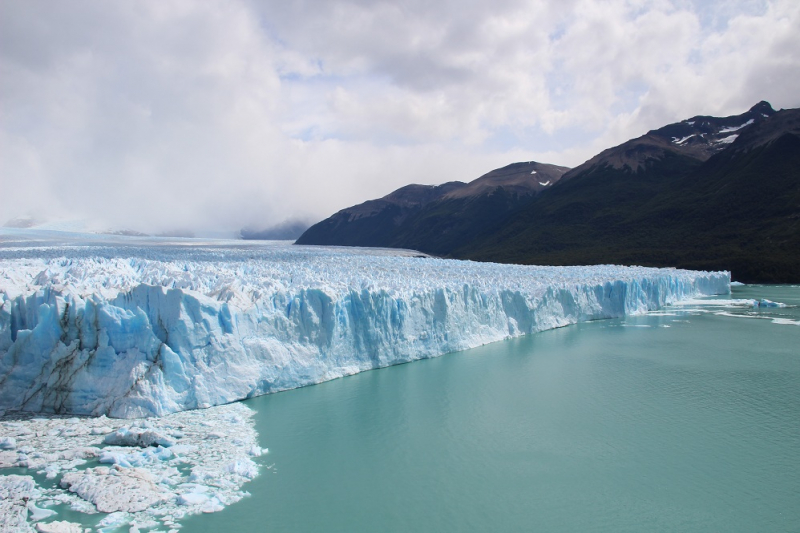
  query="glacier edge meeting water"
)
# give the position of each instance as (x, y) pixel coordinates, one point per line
(145, 331)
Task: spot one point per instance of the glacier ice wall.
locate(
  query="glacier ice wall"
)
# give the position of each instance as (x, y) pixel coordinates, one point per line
(131, 331)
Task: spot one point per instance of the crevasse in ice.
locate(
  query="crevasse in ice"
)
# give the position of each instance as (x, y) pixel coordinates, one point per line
(131, 331)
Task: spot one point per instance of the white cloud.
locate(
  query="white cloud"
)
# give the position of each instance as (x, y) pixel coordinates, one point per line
(165, 114)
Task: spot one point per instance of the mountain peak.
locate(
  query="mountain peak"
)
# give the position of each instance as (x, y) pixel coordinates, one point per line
(763, 107)
(524, 178)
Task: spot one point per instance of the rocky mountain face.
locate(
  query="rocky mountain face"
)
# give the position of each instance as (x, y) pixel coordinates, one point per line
(696, 138)
(718, 193)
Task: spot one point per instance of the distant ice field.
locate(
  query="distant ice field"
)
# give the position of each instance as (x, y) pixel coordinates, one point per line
(136, 326)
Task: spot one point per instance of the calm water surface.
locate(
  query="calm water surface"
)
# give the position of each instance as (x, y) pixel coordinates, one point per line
(621, 425)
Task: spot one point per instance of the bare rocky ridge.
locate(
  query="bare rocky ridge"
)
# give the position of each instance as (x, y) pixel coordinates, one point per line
(697, 138)
(785, 121)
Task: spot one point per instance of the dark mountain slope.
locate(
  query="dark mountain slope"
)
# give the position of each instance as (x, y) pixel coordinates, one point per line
(374, 222)
(739, 210)
(436, 219)
(454, 222)
(580, 213)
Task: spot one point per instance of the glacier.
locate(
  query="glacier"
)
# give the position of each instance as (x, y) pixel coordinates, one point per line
(134, 327)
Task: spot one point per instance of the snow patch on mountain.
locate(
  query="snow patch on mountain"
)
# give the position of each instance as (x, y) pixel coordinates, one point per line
(675, 140)
(729, 139)
(737, 128)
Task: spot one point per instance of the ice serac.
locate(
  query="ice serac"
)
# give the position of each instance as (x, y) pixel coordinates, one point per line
(148, 331)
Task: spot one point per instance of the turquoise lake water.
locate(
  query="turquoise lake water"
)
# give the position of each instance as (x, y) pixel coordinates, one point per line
(687, 420)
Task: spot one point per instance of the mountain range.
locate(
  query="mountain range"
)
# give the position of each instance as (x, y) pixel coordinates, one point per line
(718, 193)
(436, 218)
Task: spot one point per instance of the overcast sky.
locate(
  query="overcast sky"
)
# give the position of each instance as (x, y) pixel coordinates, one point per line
(167, 114)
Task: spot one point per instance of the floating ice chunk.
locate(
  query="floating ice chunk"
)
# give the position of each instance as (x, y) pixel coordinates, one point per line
(717, 302)
(213, 506)
(785, 321)
(15, 492)
(115, 489)
(194, 487)
(37, 513)
(199, 475)
(198, 496)
(243, 467)
(180, 449)
(114, 520)
(8, 443)
(51, 471)
(128, 460)
(256, 451)
(742, 302)
(768, 303)
(118, 458)
(78, 453)
(59, 526)
(192, 498)
(135, 437)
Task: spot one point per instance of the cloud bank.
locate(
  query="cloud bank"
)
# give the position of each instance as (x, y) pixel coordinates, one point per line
(211, 116)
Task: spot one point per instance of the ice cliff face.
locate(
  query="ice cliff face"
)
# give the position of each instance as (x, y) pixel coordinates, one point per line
(131, 331)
